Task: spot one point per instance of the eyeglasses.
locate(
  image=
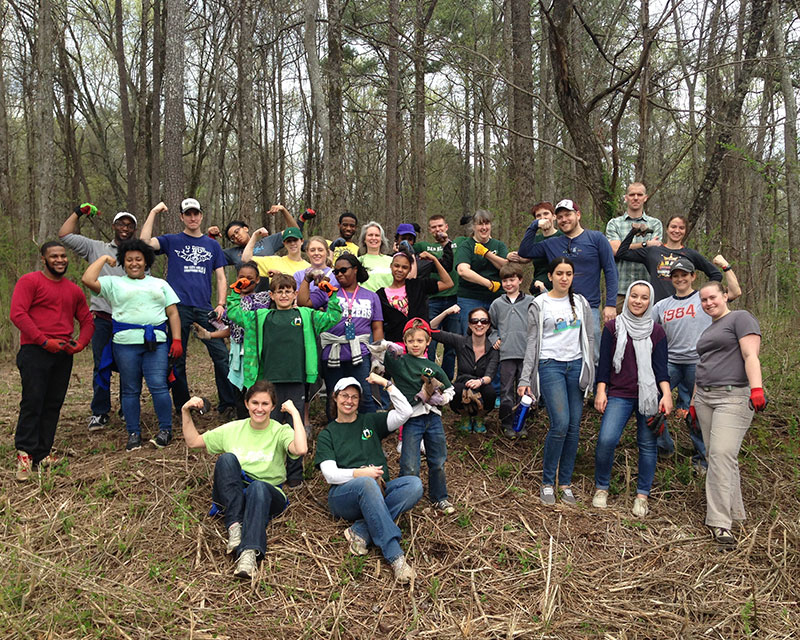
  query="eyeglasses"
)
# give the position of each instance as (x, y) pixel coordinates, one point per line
(348, 396)
(340, 271)
(479, 321)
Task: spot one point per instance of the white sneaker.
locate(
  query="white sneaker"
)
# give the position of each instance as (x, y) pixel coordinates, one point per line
(600, 500)
(403, 572)
(234, 537)
(246, 564)
(640, 507)
(358, 546)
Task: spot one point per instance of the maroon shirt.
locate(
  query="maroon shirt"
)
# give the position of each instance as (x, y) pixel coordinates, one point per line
(625, 384)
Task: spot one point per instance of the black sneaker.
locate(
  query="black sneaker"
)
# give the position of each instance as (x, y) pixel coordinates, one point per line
(134, 442)
(98, 422)
(163, 438)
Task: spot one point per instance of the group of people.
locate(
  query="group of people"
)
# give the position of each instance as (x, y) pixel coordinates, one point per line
(364, 319)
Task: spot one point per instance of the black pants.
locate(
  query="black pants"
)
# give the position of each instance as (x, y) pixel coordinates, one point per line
(296, 392)
(45, 379)
(510, 371)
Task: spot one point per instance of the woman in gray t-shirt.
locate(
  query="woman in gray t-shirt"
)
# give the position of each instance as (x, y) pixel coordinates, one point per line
(728, 388)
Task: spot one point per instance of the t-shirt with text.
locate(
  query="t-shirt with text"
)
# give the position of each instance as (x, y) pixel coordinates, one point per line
(190, 264)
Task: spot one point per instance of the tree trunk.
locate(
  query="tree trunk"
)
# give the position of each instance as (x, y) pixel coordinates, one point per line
(319, 108)
(173, 109)
(155, 111)
(244, 109)
(44, 169)
(7, 201)
(643, 141)
(336, 176)
(393, 124)
(127, 121)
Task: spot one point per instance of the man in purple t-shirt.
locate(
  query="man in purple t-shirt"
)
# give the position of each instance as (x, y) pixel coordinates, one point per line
(192, 259)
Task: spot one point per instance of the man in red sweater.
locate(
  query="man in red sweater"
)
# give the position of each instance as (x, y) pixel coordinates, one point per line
(43, 308)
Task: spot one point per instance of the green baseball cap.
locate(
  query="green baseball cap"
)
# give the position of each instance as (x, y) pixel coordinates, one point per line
(292, 232)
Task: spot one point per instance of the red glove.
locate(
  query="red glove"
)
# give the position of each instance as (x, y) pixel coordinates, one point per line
(53, 346)
(241, 284)
(72, 347)
(86, 209)
(691, 420)
(176, 348)
(657, 423)
(758, 401)
(307, 215)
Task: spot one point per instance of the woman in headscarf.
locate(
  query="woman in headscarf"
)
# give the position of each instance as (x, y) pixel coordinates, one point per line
(631, 374)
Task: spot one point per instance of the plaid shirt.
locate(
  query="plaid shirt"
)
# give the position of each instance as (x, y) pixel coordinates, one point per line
(617, 229)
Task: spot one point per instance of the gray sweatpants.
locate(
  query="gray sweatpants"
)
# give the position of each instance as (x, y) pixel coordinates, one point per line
(724, 416)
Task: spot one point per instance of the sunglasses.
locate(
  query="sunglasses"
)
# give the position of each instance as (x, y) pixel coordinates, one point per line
(479, 321)
(340, 271)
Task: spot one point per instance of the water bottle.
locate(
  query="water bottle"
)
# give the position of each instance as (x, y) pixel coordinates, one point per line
(522, 412)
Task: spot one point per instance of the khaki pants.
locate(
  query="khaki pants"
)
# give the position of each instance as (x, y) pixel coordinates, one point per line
(724, 416)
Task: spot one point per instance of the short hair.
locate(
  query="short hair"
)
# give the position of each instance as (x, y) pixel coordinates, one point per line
(49, 245)
(436, 216)
(481, 215)
(511, 270)
(250, 264)
(543, 205)
(363, 236)
(136, 245)
(235, 223)
(262, 386)
(362, 275)
(281, 281)
(636, 184)
(348, 214)
(412, 330)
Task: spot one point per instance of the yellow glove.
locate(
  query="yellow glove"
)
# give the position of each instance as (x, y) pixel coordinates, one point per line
(494, 286)
(480, 250)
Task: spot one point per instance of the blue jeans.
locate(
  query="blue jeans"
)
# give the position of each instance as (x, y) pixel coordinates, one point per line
(427, 428)
(682, 376)
(101, 398)
(133, 362)
(253, 508)
(451, 324)
(467, 305)
(219, 356)
(615, 418)
(332, 375)
(372, 513)
(560, 386)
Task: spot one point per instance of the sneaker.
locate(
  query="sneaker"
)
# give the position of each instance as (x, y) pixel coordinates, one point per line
(163, 438)
(464, 424)
(547, 494)
(509, 433)
(523, 434)
(497, 402)
(49, 460)
(98, 422)
(723, 536)
(478, 425)
(246, 564)
(600, 500)
(640, 508)
(445, 506)
(403, 572)
(358, 546)
(234, 537)
(422, 448)
(24, 466)
(567, 496)
(134, 441)
(699, 468)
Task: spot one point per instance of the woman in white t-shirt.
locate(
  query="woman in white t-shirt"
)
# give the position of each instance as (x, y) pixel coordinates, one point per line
(559, 366)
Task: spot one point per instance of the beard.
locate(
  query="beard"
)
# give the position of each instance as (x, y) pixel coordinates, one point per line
(52, 271)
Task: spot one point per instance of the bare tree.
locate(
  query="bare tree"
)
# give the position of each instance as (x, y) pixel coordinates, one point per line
(173, 106)
(44, 169)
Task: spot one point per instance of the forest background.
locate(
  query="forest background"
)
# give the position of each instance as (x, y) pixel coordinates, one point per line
(399, 110)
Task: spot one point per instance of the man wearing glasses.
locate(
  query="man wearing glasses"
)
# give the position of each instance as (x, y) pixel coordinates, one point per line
(124, 226)
(590, 252)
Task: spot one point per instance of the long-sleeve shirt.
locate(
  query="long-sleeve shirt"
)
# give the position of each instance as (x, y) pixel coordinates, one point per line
(616, 229)
(625, 384)
(468, 367)
(42, 308)
(591, 253)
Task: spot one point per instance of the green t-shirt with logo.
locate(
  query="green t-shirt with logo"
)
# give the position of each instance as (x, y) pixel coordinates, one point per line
(354, 444)
(261, 452)
(435, 249)
(284, 352)
(480, 265)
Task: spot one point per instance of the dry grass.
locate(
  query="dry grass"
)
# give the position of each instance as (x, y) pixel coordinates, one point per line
(118, 545)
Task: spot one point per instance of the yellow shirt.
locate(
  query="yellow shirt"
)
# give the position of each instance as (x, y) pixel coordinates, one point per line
(350, 247)
(280, 264)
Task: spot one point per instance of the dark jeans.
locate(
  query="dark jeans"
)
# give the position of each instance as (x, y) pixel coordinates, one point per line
(510, 371)
(45, 379)
(101, 398)
(296, 392)
(219, 356)
(253, 509)
(450, 323)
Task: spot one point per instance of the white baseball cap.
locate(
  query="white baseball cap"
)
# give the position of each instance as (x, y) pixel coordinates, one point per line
(349, 381)
(125, 214)
(190, 203)
(567, 204)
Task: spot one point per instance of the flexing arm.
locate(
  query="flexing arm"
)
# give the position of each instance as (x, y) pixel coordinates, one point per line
(435, 322)
(91, 276)
(625, 249)
(445, 281)
(732, 282)
(247, 252)
(298, 446)
(147, 228)
(529, 248)
(70, 225)
(190, 435)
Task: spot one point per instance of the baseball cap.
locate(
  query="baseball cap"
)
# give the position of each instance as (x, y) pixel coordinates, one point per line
(568, 204)
(292, 232)
(190, 203)
(125, 214)
(419, 323)
(349, 381)
(405, 228)
(682, 264)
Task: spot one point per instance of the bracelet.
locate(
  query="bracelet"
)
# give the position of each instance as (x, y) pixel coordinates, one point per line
(727, 268)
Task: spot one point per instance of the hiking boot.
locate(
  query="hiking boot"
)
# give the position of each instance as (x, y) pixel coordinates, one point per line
(567, 496)
(234, 537)
(358, 546)
(600, 500)
(98, 422)
(134, 441)
(24, 466)
(445, 506)
(163, 438)
(509, 433)
(640, 508)
(478, 425)
(403, 572)
(464, 424)
(723, 536)
(246, 564)
(547, 494)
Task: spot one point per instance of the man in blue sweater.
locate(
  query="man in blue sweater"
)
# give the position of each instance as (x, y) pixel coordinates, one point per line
(590, 252)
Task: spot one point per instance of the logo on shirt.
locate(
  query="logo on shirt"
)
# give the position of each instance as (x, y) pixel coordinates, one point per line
(366, 434)
(194, 255)
(297, 321)
(665, 264)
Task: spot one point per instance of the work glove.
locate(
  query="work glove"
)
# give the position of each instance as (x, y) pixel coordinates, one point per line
(494, 286)
(327, 287)
(691, 420)
(241, 284)
(339, 242)
(758, 401)
(176, 348)
(480, 250)
(53, 346)
(86, 209)
(73, 346)
(308, 214)
(657, 423)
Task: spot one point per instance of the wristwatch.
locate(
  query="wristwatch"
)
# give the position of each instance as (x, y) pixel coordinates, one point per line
(644, 244)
